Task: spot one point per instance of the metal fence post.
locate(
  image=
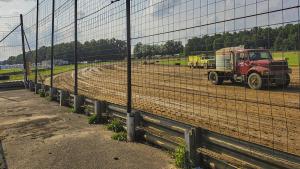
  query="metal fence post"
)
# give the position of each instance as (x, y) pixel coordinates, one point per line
(52, 51)
(78, 100)
(130, 115)
(23, 50)
(75, 50)
(37, 46)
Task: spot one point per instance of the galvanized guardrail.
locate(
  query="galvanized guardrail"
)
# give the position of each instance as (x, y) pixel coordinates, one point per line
(12, 85)
(204, 148)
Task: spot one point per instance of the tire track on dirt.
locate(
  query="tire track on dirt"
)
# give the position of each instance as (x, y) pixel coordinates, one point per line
(269, 118)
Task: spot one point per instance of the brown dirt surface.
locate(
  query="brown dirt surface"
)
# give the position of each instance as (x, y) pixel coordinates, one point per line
(269, 117)
(36, 133)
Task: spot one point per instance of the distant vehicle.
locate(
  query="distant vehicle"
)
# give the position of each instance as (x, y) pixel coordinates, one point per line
(202, 61)
(255, 67)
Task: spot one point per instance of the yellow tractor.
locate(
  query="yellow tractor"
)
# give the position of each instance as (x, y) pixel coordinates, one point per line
(201, 61)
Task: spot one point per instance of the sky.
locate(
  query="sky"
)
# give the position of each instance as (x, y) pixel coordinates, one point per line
(153, 21)
(15, 7)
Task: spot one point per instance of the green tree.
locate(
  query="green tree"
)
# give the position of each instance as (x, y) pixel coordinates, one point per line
(172, 47)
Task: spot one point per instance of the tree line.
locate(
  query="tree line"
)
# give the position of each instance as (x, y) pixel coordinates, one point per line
(103, 49)
(279, 38)
(169, 48)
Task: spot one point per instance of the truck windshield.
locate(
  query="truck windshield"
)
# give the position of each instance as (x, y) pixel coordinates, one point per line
(259, 55)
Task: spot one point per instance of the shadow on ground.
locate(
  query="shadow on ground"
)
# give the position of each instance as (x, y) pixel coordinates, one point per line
(2, 158)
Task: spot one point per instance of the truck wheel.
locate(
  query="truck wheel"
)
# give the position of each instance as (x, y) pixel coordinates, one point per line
(284, 83)
(255, 81)
(215, 79)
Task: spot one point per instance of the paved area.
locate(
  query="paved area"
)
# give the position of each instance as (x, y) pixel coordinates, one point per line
(38, 134)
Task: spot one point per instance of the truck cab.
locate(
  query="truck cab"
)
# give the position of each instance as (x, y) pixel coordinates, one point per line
(256, 67)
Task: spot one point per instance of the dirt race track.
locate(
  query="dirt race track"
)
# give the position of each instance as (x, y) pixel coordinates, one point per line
(268, 117)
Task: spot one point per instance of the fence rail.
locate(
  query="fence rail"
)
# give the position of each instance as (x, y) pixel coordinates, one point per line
(204, 147)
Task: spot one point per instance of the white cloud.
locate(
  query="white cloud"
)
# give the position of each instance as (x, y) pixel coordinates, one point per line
(15, 7)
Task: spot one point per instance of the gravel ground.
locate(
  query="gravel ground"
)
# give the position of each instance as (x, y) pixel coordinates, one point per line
(38, 134)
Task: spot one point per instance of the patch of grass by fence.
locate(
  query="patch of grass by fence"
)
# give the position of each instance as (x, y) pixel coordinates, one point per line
(293, 57)
(181, 61)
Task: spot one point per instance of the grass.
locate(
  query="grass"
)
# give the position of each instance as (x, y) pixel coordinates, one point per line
(121, 136)
(182, 62)
(42, 93)
(94, 119)
(180, 156)
(72, 110)
(116, 126)
(13, 70)
(44, 73)
(293, 57)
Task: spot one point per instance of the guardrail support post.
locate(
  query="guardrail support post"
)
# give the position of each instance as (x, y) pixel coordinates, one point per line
(190, 136)
(31, 86)
(130, 127)
(78, 102)
(26, 84)
(63, 96)
(37, 88)
(53, 92)
(97, 108)
(100, 108)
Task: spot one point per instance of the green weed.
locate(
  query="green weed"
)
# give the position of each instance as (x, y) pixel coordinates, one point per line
(116, 126)
(180, 156)
(121, 136)
(42, 93)
(94, 119)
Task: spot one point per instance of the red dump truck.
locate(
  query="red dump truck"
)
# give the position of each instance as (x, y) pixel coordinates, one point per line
(255, 67)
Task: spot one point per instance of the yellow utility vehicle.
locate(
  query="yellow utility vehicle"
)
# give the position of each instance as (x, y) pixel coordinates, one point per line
(201, 61)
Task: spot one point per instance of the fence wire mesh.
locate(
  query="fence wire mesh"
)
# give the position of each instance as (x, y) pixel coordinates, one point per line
(102, 50)
(229, 66)
(11, 68)
(179, 45)
(30, 41)
(64, 45)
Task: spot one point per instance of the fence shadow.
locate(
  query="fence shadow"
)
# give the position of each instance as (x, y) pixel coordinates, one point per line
(3, 164)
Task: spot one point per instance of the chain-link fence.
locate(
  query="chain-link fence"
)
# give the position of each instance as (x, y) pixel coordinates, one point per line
(229, 66)
(11, 58)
